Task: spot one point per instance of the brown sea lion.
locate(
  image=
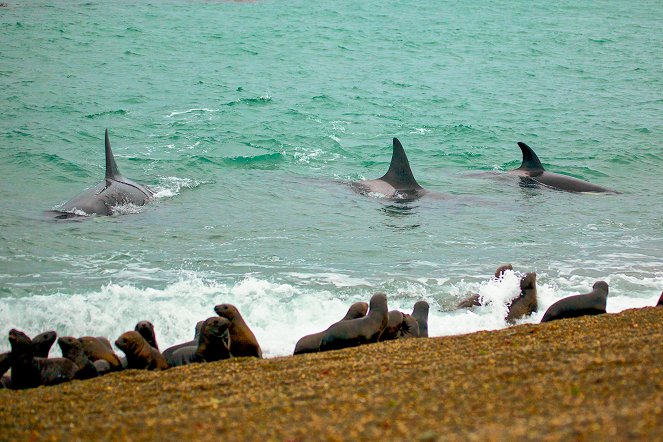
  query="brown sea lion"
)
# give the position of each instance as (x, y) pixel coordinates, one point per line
(102, 366)
(392, 329)
(475, 299)
(42, 343)
(194, 343)
(25, 373)
(526, 303)
(146, 330)
(28, 371)
(72, 349)
(660, 301)
(5, 362)
(97, 348)
(53, 371)
(140, 354)
(358, 331)
(420, 313)
(409, 327)
(592, 303)
(311, 343)
(213, 344)
(242, 340)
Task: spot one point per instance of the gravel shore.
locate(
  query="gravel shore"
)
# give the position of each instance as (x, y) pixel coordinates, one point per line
(592, 378)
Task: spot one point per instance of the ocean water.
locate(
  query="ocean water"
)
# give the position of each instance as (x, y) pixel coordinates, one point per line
(249, 119)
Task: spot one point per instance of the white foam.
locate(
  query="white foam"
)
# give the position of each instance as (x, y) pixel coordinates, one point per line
(281, 313)
(190, 111)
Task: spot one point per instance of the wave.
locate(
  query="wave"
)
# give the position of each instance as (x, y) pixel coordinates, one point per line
(279, 313)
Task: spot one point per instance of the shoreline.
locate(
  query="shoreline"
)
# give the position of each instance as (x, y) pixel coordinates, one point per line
(595, 377)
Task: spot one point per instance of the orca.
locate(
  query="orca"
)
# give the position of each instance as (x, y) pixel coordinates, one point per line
(105, 196)
(398, 183)
(532, 173)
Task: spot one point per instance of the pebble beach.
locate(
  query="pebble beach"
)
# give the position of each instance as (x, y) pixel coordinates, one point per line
(590, 378)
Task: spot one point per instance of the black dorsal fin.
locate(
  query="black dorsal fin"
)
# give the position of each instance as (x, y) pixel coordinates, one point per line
(399, 174)
(530, 160)
(111, 167)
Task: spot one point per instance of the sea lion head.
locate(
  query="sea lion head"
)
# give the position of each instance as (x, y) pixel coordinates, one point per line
(19, 341)
(601, 287)
(43, 342)
(68, 344)
(357, 310)
(378, 303)
(421, 309)
(130, 341)
(227, 311)
(502, 269)
(146, 330)
(528, 282)
(215, 326)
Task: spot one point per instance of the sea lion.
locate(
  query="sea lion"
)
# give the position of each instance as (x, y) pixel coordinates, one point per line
(592, 303)
(213, 344)
(409, 328)
(311, 343)
(140, 354)
(242, 340)
(29, 372)
(42, 343)
(475, 299)
(525, 304)
(97, 348)
(420, 313)
(660, 301)
(194, 343)
(392, 329)
(146, 330)
(72, 349)
(358, 331)
(25, 373)
(5, 362)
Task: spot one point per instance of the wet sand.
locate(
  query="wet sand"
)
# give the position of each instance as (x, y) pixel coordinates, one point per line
(592, 378)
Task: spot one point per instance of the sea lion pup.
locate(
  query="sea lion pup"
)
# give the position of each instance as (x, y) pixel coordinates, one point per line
(420, 313)
(592, 303)
(390, 332)
(28, 371)
(42, 343)
(358, 331)
(525, 304)
(212, 345)
(311, 343)
(194, 343)
(97, 349)
(242, 340)
(409, 327)
(72, 349)
(140, 354)
(146, 330)
(475, 300)
(5, 362)
(25, 373)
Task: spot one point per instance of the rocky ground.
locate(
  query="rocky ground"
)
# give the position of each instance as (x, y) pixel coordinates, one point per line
(592, 378)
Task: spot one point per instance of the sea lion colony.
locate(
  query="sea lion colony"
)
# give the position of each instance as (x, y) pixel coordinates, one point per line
(228, 335)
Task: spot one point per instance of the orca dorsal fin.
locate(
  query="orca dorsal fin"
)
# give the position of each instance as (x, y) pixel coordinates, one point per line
(399, 174)
(111, 167)
(530, 160)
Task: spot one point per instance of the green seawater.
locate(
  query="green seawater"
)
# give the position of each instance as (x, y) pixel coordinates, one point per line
(250, 119)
